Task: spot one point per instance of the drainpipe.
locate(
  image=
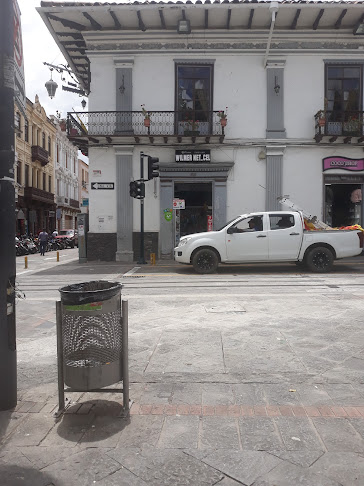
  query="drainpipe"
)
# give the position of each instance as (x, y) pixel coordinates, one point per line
(273, 8)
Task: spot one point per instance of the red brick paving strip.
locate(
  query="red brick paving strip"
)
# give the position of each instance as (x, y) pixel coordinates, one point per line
(299, 411)
(339, 412)
(170, 409)
(247, 411)
(352, 412)
(286, 411)
(183, 409)
(312, 412)
(157, 409)
(196, 410)
(135, 409)
(360, 410)
(273, 411)
(145, 409)
(326, 411)
(208, 410)
(222, 410)
(260, 411)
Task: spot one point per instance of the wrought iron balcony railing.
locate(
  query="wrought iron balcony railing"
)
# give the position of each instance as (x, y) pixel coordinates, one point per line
(39, 154)
(134, 124)
(74, 203)
(38, 194)
(339, 124)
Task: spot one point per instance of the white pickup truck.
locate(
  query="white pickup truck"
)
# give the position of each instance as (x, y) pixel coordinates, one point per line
(277, 236)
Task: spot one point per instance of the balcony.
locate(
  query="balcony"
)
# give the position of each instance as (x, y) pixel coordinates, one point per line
(38, 195)
(39, 154)
(341, 126)
(74, 203)
(126, 127)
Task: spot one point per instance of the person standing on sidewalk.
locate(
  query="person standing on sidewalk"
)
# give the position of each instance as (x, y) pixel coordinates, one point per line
(43, 240)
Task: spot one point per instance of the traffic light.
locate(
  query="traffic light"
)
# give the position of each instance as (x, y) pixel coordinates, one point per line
(137, 189)
(153, 166)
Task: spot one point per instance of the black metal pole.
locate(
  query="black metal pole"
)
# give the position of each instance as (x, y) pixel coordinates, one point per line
(8, 376)
(141, 260)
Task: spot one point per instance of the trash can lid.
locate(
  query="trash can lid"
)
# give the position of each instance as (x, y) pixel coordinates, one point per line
(85, 292)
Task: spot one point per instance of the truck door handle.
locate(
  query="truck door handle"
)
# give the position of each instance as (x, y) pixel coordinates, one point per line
(294, 234)
(261, 236)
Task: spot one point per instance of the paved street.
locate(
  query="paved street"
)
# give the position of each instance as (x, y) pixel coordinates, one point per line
(252, 376)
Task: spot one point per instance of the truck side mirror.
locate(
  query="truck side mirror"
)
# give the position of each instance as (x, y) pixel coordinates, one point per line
(232, 229)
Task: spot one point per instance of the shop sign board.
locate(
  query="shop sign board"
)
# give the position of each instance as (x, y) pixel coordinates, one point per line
(196, 156)
(209, 222)
(344, 163)
(84, 202)
(178, 204)
(102, 185)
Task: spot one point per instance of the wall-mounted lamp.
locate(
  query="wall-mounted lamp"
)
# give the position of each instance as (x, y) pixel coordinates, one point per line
(51, 86)
(184, 26)
(122, 86)
(83, 103)
(276, 88)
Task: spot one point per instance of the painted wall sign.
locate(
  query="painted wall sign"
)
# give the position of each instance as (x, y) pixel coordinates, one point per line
(102, 185)
(168, 214)
(344, 163)
(193, 156)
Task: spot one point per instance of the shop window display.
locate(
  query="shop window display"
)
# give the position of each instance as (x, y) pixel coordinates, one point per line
(343, 204)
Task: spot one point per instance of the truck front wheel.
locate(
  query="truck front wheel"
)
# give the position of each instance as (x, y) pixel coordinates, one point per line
(319, 259)
(205, 261)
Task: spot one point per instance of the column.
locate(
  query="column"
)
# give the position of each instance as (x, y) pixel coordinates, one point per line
(124, 204)
(274, 174)
(166, 225)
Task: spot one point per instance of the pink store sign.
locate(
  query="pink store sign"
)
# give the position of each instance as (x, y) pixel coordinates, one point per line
(342, 163)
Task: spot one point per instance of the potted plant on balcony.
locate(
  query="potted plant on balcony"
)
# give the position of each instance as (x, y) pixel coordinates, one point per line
(354, 125)
(191, 128)
(322, 115)
(146, 116)
(223, 117)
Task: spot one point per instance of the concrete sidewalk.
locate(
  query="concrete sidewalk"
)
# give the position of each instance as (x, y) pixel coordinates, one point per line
(228, 387)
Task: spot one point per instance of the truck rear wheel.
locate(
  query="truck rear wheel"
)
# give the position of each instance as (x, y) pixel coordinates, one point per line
(205, 261)
(319, 259)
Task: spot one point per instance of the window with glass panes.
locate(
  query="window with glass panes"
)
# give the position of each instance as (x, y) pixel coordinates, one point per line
(344, 93)
(26, 175)
(49, 146)
(50, 183)
(43, 140)
(44, 182)
(26, 130)
(194, 94)
(18, 172)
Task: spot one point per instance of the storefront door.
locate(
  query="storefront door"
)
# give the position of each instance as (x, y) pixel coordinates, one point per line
(343, 204)
(198, 207)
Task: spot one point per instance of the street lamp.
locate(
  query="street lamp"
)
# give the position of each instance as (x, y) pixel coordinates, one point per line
(51, 86)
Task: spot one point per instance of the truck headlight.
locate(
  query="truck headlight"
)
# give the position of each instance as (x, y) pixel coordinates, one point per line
(183, 241)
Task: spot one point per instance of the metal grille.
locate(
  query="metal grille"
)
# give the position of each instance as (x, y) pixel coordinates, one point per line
(91, 340)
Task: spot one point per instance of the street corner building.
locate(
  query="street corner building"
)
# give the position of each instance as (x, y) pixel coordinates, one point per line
(241, 101)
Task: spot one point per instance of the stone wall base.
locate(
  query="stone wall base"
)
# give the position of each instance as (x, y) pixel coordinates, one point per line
(101, 247)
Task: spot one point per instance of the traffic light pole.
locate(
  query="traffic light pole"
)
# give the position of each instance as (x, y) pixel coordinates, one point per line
(141, 260)
(8, 375)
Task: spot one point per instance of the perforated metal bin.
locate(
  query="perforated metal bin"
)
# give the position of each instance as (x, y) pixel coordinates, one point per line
(91, 334)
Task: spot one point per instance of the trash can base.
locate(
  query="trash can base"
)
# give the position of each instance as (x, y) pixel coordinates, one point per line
(87, 378)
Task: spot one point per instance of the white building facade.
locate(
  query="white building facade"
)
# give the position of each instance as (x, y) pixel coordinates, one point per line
(290, 75)
(66, 178)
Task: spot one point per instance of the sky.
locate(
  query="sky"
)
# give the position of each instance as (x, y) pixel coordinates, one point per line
(39, 46)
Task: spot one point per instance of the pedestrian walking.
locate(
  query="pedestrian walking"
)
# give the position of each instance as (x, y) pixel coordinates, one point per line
(43, 240)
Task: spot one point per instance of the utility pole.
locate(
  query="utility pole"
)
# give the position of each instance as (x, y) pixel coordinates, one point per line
(8, 375)
(141, 260)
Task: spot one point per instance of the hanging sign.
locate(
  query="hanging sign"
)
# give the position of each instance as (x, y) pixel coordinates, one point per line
(178, 204)
(344, 163)
(193, 156)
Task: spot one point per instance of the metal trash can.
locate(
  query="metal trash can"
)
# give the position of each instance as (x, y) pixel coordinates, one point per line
(92, 334)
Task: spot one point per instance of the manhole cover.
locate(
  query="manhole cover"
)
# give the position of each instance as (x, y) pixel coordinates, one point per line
(220, 309)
